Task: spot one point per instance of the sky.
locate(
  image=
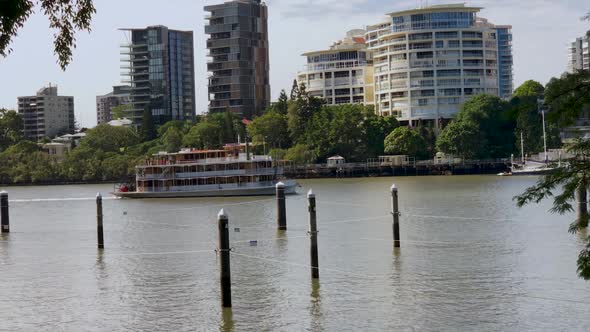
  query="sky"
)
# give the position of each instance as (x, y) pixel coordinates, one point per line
(541, 29)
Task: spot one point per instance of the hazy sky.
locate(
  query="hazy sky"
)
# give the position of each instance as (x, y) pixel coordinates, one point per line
(541, 28)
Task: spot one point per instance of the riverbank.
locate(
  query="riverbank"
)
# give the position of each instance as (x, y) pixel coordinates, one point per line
(350, 170)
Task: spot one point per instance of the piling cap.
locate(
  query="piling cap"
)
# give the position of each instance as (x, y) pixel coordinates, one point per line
(393, 188)
(222, 214)
(3, 192)
(310, 194)
(280, 185)
(98, 195)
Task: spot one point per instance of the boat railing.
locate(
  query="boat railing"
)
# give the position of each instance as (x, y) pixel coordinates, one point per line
(211, 187)
(189, 175)
(222, 160)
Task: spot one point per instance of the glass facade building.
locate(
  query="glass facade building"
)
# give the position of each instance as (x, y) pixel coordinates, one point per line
(159, 66)
(239, 59)
(429, 61)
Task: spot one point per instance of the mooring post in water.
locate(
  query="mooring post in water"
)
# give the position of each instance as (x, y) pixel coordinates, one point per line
(281, 207)
(225, 274)
(395, 213)
(4, 214)
(99, 217)
(313, 235)
(581, 199)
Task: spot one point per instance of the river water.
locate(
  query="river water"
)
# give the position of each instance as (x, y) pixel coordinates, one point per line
(470, 261)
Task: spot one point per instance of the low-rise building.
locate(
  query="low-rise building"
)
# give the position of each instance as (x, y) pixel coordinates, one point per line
(342, 74)
(46, 114)
(105, 104)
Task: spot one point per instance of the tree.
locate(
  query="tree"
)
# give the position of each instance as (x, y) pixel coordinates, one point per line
(295, 93)
(121, 111)
(299, 114)
(11, 126)
(460, 138)
(110, 139)
(569, 97)
(65, 16)
(282, 105)
(492, 116)
(376, 129)
(406, 141)
(204, 135)
(299, 154)
(270, 128)
(148, 129)
(172, 139)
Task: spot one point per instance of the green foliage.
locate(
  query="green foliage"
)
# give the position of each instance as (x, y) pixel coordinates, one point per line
(568, 97)
(529, 88)
(299, 114)
(230, 125)
(11, 125)
(492, 116)
(277, 154)
(65, 16)
(406, 141)
(205, 135)
(282, 105)
(460, 138)
(121, 111)
(299, 154)
(110, 139)
(295, 93)
(148, 128)
(172, 139)
(270, 128)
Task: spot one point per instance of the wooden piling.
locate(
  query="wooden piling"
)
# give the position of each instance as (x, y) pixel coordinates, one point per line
(4, 212)
(582, 206)
(99, 219)
(313, 235)
(225, 274)
(395, 213)
(281, 207)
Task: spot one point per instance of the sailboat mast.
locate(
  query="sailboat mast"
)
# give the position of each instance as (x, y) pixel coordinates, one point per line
(522, 146)
(544, 135)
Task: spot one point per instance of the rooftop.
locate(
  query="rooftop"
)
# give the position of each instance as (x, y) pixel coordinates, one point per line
(437, 8)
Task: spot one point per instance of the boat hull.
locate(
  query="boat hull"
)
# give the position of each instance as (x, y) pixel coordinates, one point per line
(290, 188)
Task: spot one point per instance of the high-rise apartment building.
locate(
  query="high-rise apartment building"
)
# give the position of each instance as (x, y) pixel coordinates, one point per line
(46, 114)
(105, 104)
(239, 64)
(342, 74)
(579, 54)
(429, 61)
(160, 69)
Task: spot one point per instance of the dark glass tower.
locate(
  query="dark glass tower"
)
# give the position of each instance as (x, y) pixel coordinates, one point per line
(239, 64)
(161, 71)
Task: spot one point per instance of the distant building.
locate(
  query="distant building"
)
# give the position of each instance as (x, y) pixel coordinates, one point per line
(46, 114)
(239, 65)
(160, 68)
(428, 61)
(579, 54)
(342, 74)
(105, 104)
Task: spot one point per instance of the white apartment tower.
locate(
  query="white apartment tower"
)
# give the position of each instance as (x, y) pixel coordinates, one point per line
(429, 61)
(342, 74)
(579, 54)
(46, 114)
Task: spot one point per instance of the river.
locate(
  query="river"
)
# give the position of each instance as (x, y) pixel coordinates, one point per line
(470, 261)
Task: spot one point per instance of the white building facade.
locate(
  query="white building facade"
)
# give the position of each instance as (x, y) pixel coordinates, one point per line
(429, 61)
(342, 74)
(46, 114)
(579, 54)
